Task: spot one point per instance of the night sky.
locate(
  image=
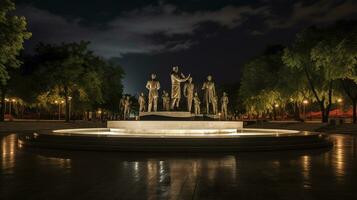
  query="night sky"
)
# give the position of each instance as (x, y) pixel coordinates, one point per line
(201, 36)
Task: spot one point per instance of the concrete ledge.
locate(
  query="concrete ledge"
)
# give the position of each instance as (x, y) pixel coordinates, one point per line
(167, 114)
(102, 141)
(160, 125)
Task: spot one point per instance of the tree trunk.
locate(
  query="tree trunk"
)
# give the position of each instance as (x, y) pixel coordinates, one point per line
(66, 104)
(354, 111)
(324, 112)
(2, 108)
(296, 111)
(325, 115)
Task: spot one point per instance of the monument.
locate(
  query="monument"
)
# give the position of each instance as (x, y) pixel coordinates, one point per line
(142, 102)
(153, 86)
(224, 105)
(197, 102)
(165, 101)
(127, 106)
(188, 92)
(176, 80)
(209, 93)
(178, 131)
(170, 107)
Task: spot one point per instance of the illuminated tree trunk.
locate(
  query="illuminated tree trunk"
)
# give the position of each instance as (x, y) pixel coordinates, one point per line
(354, 111)
(66, 96)
(2, 108)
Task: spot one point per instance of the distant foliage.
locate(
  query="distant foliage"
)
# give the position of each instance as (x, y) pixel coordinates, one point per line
(310, 68)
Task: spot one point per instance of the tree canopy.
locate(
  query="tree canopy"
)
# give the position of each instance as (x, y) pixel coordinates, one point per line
(12, 36)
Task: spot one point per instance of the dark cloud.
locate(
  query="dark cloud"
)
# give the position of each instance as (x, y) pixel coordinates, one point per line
(207, 36)
(317, 12)
(128, 33)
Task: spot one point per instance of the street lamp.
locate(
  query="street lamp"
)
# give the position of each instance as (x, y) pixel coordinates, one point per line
(304, 103)
(11, 101)
(59, 108)
(339, 101)
(6, 100)
(69, 109)
(100, 114)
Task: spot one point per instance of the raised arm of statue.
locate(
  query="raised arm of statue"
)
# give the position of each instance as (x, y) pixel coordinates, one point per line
(180, 79)
(158, 85)
(214, 90)
(204, 86)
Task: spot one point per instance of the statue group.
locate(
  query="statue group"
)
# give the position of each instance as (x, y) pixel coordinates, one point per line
(192, 97)
(125, 107)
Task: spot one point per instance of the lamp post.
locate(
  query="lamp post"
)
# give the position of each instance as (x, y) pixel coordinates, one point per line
(69, 110)
(276, 106)
(59, 108)
(6, 100)
(304, 103)
(100, 114)
(12, 101)
(56, 102)
(339, 101)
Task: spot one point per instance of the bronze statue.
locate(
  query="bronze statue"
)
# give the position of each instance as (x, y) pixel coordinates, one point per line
(142, 102)
(224, 105)
(215, 105)
(153, 86)
(188, 93)
(127, 105)
(209, 92)
(165, 101)
(176, 80)
(197, 103)
(121, 106)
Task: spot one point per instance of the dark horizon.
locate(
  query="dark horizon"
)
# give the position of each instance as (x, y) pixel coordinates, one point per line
(202, 37)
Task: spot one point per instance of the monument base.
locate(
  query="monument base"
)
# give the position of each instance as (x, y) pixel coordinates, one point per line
(175, 116)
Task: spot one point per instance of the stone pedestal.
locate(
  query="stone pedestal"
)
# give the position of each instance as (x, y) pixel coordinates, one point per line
(175, 116)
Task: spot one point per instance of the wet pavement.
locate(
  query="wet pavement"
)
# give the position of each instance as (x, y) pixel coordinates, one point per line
(54, 174)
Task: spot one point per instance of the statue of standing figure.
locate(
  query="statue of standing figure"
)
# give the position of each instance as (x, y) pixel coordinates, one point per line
(209, 93)
(165, 101)
(197, 103)
(142, 102)
(127, 106)
(224, 105)
(121, 107)
(215, 105)
(188, 93)
(153, 86)
(176, 80)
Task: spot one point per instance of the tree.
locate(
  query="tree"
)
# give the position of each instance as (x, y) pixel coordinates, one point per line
(350, 89)
(319, 77)
(13, 32)
(83, 80)
(293, 88)
(112, 87)
(67, 68)
(258, 85)
(337, 53)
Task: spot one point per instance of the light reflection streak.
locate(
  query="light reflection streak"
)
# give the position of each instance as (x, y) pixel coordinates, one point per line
(151, 179)
(306, 165)
(8, 152)
(136, 171)
(62, 163)
(339, 162)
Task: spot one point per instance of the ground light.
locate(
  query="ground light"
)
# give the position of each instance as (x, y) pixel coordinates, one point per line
(177, 136)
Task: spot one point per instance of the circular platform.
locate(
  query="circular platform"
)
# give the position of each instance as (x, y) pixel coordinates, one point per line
(178, 140)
